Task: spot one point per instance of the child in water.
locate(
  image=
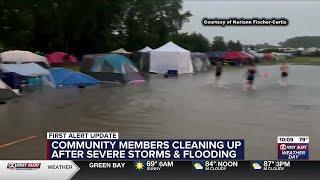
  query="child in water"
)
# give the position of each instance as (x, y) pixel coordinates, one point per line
(251, 74)
(218, 74)
(284, 69)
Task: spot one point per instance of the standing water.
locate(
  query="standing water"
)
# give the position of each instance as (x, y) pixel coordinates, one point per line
(189, 106)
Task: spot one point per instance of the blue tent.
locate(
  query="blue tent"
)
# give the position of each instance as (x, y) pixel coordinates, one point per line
(112, 68)
(215, 54)
(62, 77)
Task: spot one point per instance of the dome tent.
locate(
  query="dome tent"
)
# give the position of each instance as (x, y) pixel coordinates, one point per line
(113, 68)
(32, 72)
(61, 58)
(170, 57)
(200, 62)
(6, 93)
(20, 57)
(28, 69)
(62, 77)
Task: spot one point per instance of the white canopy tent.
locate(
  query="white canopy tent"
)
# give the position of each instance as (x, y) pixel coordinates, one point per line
(145, 50)
(20, 57)
(170, 57)
(121, 51)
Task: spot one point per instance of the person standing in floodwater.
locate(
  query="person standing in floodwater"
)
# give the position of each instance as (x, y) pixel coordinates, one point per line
(284, 69)
(218, 74)
(251, 74)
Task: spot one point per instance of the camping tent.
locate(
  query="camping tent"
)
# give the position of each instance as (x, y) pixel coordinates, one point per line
(170, 57)
(65, 78)
(36, 75)
(112, 68)
(215, 54)
(141, 59)
(200, 62)
(121, 51)
(13, 80)
(147, 49)
(6, 92)
(268, 56)
(279, 56)
(256, 56)
(20, 57)
(29, 69)
(88, 60)
(236, 57)
(60, 58)
(247, 55)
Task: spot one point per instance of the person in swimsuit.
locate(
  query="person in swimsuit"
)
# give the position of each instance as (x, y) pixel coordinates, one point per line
(218, 74)
(251, 74)
(284, 69)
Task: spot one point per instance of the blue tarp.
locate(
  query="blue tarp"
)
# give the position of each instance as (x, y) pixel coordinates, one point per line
(62, 77)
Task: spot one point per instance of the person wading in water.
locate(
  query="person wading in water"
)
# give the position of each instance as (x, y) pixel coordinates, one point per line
(284, 69)
(251, 74)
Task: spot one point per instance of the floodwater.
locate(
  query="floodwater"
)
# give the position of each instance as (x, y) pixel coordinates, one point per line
(189, 106)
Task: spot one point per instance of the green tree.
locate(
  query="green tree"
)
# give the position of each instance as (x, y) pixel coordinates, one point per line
(238, 46)
(81, 26)
(303, 41)
(232, 45)
(193, 42)
(218, 44)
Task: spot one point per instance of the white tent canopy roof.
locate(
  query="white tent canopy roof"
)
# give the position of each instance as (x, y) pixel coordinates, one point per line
(170, 47)
(28, 69)
(20, 57)
(121, 51)
(146, 49)
(170, 57)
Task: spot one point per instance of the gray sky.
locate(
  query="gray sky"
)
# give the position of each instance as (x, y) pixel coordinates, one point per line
(303, 16)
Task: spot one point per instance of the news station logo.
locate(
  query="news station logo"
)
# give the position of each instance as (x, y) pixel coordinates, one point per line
(283, 147)
(293, 147)
(23, 166)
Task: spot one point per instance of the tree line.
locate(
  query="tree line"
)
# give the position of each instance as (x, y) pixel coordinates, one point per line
(303, 41)
(82, 26)
(88, 26)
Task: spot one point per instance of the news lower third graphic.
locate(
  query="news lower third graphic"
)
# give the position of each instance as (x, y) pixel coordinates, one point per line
(293, 147)
(86, 155)
(89, 146)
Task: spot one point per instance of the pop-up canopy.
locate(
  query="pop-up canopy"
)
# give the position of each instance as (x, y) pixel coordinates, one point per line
(170, 57)
(121, 51)
(145, 50)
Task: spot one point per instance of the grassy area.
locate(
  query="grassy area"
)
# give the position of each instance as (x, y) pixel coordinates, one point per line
(296, 61)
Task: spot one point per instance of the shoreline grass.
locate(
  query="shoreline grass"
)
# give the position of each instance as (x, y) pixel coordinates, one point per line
(295, 61)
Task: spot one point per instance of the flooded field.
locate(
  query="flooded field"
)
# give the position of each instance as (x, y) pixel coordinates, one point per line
(186, 107)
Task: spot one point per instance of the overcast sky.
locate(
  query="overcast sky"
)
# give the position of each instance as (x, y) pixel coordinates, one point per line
(303, 16)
